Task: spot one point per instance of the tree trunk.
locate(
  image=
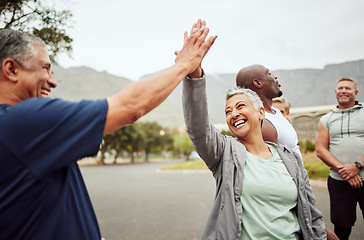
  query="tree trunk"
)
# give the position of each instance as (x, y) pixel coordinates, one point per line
(187, 156)
(132, 157)
(115, 157)
(178, 154)
(147, 156)
(102, 156)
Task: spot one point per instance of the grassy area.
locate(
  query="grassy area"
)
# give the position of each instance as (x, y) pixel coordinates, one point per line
(188, 165)
(315, 167)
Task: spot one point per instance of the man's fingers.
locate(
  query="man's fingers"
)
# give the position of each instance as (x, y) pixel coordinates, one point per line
(202, 24)
(208, 43)
(356, 181)
(199, 38)
(197, 25)
(360, 181)
(194, 26)
(195, 36)
(195, 46)
(199, 34)
(205, 45)
(211, 39)
(204, 34)
(185, 36)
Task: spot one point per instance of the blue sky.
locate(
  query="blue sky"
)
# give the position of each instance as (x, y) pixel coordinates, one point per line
(134, 38)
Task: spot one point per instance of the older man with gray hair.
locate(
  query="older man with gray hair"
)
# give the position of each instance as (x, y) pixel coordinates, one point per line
(42, 192)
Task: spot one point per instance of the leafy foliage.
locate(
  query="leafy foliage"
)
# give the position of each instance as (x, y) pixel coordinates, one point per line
(154, 136)
(127, 139)
(40, 19)
(307, 146)
(147, 136)
(182, 144)
(132, 139)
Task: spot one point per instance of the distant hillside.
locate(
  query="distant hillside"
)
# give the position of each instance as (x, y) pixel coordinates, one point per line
(302, 87)
(312, 87)
(77, 83)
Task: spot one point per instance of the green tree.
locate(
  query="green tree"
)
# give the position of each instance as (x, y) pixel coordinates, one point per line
(106, 145)
(127, 138)
(153, 137)
(41, 19)
(149, 136)
(166, 140)
(182, 144)
(132, 140)
(117, 143)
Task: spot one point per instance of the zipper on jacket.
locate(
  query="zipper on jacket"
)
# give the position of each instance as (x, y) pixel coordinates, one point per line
(349, 123)
(342, 122)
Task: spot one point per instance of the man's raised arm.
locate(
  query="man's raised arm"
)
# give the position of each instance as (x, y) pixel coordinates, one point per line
(139, 98)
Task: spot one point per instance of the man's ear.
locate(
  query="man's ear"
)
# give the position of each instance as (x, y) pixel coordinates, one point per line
(10, 69)
(257, 83)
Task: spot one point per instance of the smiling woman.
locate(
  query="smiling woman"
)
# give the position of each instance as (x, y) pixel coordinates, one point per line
(255, 181)
(241, 105)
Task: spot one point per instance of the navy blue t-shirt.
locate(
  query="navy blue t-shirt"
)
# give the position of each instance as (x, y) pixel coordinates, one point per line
(42, 192)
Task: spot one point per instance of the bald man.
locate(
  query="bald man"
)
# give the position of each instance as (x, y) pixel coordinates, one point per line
(276, 128)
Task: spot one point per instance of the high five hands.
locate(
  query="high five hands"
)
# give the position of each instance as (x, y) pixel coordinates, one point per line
(196, 40)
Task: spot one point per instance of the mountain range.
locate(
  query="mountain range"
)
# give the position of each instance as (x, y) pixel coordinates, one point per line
(301, 87)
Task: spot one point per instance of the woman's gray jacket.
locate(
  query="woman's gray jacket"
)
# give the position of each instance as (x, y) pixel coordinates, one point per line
(225, 157)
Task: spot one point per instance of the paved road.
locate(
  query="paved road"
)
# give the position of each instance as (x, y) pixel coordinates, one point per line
(137, 202)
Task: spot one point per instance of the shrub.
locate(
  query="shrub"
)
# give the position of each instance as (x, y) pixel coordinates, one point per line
(309, 146)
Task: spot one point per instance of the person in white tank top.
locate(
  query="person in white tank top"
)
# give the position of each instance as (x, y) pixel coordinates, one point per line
(275, 127)
(286, 135)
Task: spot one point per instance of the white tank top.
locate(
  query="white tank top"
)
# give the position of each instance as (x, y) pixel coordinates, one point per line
(286, 135)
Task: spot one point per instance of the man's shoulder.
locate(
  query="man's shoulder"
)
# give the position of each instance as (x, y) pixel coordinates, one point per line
(38, 106)
(52, 103)
(53, 108)
(28, 105)
(326, 116)
(36, 102)
(337, 110)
